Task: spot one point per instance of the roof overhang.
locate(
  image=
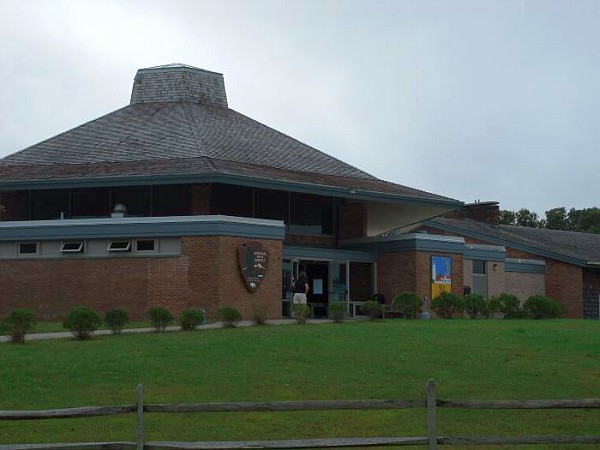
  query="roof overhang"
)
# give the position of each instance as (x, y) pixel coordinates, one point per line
(517, 246)
(243, 180)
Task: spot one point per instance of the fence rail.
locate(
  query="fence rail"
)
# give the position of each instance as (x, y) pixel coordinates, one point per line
(430, 402)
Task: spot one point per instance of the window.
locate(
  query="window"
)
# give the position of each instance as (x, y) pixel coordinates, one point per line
(479, 267)
(145, 245)
(119, 246)
(311, 214)
(72, 247)
(28, 248)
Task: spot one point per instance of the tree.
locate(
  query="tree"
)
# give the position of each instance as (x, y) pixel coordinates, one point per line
(526, 218)
(557, 219)
(586, 220)
(507, 217)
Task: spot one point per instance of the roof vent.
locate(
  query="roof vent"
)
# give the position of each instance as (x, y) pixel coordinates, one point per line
(178, 83)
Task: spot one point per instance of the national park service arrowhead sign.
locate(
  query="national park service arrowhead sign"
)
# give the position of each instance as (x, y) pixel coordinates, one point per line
(253, 259)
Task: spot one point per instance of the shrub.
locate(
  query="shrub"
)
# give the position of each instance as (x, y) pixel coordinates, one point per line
(475, 305)
(301, 312)
(259, 314)
(446, 304)
(17, 324)
(494, 307)
(82, 322)
(160, 318)
(116, 319)
(190, 319)
(542, 307)
(510, 306)
(337, 311)
(408, 303)
(373, 309)
(230, 316)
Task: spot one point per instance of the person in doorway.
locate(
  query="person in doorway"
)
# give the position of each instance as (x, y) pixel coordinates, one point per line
(301, 288)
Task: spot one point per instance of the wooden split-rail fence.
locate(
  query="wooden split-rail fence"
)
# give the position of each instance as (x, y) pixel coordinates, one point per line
(431, 403)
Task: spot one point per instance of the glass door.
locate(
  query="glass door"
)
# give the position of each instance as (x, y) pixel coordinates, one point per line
(338, 282)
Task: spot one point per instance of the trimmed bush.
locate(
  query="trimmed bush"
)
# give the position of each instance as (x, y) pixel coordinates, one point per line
(475, 305)
(408, 303)
(301, 312)
(190, 319)
(542, 307)
(17, 324)
(259, 314)
(82, 322)
(337, 311)
(373, 309)
(446, 304)
(510, 306)
(116, 319)
(160, 318)
(230, 316)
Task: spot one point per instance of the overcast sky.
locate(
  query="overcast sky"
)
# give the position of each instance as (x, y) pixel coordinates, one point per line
(490, 100)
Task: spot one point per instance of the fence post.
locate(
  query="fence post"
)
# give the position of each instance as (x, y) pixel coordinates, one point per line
(140, 417)
(431, 415)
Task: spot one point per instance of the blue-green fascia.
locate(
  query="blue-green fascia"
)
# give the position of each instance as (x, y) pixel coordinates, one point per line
(133, 227)
(240, 180)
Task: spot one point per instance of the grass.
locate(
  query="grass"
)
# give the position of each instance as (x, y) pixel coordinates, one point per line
(385, 359)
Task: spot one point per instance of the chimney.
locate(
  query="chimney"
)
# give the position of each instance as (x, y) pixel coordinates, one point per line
(486, 212)
(178, 83)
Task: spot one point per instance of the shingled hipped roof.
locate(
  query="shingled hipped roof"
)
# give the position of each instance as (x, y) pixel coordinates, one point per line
(172, 130)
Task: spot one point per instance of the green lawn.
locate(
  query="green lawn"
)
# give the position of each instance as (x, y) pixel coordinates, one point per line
(360, 360)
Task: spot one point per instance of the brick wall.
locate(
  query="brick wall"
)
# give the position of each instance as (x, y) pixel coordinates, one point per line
(524, 285)
(411, 271)
(206, 275)
(564, 283)
(353, 221)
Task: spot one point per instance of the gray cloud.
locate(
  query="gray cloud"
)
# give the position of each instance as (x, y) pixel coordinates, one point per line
(470, 99)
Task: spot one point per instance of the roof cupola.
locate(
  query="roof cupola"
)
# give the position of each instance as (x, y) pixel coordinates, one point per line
(178, 83)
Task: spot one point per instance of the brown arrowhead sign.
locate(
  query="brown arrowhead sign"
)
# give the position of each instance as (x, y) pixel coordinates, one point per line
(253, 259)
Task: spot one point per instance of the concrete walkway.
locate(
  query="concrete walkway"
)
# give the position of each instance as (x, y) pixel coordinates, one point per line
(243, 323)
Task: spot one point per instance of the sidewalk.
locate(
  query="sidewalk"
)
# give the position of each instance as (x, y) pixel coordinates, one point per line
(243, 323)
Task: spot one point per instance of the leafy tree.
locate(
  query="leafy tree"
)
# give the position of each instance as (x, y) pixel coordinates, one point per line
(526, 218)
(507, 217)
(557, 219)
(586, 220)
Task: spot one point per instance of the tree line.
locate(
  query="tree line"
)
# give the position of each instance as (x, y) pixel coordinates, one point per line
(586, 220)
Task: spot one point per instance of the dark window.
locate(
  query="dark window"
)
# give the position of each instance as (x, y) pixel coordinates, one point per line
(135, 198)
(119, 246)
(72, 247)
(47, 205)
(271, 204)
(231, 200)
(28, 248)
(311, 214)
(93, 202)
(478, 267)
(171, 200)
(146, 245)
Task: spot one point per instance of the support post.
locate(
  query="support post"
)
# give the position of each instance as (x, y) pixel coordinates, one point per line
(140, 417)
(431, 415)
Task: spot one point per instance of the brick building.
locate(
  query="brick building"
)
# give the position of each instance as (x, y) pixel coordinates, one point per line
(154, 204)
(161, 202)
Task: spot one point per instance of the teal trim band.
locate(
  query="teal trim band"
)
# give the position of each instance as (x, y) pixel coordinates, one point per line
(142, 227)
(486, 254)
(308, 188)
(290, 251)
(525, 266)
(409, 242)
(507, 243)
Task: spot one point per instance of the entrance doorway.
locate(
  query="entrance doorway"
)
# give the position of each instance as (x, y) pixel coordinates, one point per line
(330, 281)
